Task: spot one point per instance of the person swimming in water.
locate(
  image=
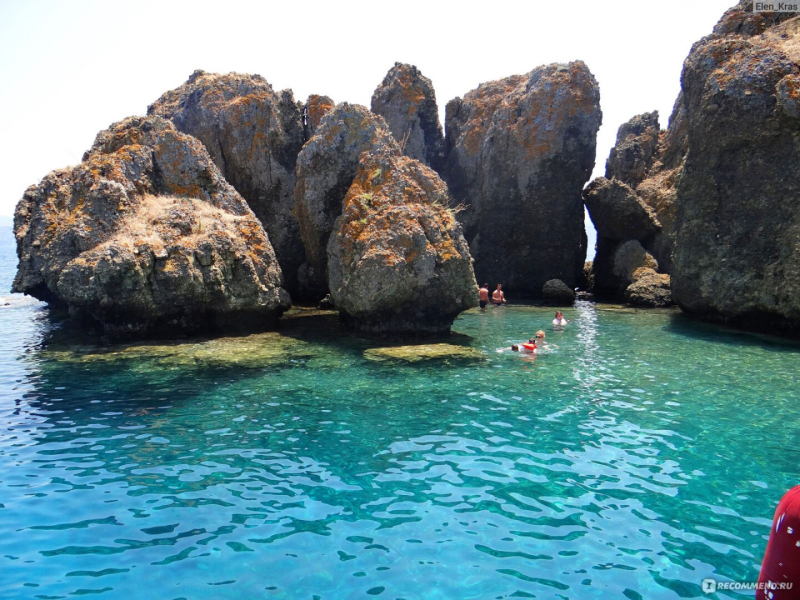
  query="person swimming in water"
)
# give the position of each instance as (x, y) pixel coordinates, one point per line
(560, 321)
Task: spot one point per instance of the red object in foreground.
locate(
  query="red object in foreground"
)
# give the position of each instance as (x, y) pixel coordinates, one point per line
(782, 559)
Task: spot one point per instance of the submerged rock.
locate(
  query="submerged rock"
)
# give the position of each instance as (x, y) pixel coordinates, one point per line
(145, 235)
(420, 352)
(406, 99)
(325, 169)
(519, 153)
(737, 257)
(398, 263)
(557, 293)
(253, 351)
(254, 135)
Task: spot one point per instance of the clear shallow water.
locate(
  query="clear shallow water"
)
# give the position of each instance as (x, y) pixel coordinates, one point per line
(641, 455)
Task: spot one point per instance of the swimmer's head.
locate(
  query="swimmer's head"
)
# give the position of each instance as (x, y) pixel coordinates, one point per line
(540, 335)
(514, 348)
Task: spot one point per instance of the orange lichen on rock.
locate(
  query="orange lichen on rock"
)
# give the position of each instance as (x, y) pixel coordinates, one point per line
(144, 236)
(397, 260)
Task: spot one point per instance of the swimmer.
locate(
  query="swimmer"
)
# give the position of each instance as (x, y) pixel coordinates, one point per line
(560, 321)
(530, 347)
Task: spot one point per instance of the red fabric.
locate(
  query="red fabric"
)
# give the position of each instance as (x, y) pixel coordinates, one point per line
(782, 558)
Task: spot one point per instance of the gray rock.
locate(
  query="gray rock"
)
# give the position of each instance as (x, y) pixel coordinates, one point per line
(325, 169)
(557, 293)
(615, 265)
(407, 101)
(254, 135)
(398, 263)
(649, 289)
(618, 213)
(519, 153)
(737, 257)
(635, 151)
(146, 236)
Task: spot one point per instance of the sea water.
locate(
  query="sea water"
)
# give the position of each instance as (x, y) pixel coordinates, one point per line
(639, 454)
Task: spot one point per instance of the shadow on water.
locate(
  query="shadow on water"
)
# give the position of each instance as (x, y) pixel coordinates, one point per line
(693, 328)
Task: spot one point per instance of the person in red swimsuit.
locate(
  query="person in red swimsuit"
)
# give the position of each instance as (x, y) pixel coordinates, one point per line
(782, 559)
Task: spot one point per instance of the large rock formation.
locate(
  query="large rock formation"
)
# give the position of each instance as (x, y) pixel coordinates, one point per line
(254, 135)
(398, 263)
(519, 153)
(635, 201)
(325, 169)
(737, 247)
(407, 101)
(146, 235)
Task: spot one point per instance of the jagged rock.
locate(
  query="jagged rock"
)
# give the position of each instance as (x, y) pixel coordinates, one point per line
(519, 153)
(649, 289)
(398, 263)
(634, 152)
(145, 235)
(737, 257)
(407, 101)
(556, 293)
(618, 213)
(615, 264)
(315, 109)
(325, 169)
(254, 135)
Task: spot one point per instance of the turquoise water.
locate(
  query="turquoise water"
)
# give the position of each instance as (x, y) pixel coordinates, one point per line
(641, 454)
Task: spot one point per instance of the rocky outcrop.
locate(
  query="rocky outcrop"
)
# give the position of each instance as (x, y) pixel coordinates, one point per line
(649, 289)
(519, 153)
(398, 263)
(316, 107)
(616, 263)
(144, 236)
(557, 293)
(325, 169)
(254, 135)
(737, 257)
(618, 213)
(636, 199)
(407, 101)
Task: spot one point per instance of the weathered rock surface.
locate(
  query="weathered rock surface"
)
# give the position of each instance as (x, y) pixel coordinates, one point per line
(398, 263)
(407, 101)
(325, 170)
(254, 135)
(634, 153)
(615, 265)
(618, 213)
(519, 153)
(737, 250)
(146, 235)
(316, 107)
(557, 293)
(636, 198)
(649, 289)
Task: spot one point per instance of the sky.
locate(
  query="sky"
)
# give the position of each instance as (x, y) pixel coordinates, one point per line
(69, 69)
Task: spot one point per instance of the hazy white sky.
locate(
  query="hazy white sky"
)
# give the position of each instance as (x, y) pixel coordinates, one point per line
(71, 68)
